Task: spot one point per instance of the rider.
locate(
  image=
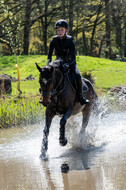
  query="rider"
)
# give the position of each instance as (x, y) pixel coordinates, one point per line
(64, 47)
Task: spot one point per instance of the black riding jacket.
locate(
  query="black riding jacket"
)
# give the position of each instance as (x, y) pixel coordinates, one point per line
(64, 49)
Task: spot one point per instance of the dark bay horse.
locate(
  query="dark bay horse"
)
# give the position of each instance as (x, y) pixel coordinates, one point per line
(59, 98)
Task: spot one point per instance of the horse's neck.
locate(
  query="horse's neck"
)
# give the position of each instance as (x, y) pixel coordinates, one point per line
(63, 82)
(58, 81)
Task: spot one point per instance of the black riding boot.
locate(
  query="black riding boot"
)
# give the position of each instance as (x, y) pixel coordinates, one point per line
(82, 99)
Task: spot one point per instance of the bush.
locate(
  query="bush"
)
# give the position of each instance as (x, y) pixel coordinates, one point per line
(88, 75)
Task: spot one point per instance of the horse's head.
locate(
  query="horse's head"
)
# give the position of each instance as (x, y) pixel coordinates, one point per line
(47, 81)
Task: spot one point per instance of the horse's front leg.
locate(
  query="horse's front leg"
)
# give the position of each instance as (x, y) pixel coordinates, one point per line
(62, 138)
(49, 117)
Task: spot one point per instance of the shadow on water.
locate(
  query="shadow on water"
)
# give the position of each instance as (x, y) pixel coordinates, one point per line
(79, 159)
(73, 162)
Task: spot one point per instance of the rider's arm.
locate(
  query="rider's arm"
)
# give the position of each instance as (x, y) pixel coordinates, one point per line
(72, 52)
(51, 48)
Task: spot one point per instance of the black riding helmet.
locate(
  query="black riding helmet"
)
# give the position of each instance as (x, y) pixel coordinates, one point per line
(61, 23)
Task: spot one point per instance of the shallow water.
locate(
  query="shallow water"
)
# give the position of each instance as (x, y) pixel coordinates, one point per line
(97, 162)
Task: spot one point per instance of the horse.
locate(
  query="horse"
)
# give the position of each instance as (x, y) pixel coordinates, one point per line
(60, 98)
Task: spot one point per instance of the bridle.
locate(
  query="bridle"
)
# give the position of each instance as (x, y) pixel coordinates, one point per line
(55, 92)
(45, 93)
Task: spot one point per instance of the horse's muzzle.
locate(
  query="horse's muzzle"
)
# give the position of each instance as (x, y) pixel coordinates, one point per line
(45, 102)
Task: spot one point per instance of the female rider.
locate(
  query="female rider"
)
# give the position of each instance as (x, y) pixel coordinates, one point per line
(64, 47)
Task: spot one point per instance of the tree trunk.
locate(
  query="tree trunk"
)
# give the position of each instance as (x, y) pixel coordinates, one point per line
(45, 28)
(63, 9)
(93, 31)
(85, 49)
(119, 35)
(125, 39)
(71, 17)
(27, 27)
(108, 29)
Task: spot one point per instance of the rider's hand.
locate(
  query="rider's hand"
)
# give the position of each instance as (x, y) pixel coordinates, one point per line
(65, 67)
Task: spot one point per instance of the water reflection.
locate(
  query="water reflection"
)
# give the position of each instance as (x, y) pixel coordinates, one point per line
(64, 168)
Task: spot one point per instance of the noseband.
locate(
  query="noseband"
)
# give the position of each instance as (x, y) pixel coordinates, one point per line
(54, 92)
(45, 93)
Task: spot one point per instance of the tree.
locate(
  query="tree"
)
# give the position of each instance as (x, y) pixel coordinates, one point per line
(108, 29)
(27, 26)
(98, 27)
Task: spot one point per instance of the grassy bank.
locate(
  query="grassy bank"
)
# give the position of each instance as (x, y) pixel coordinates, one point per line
(16, 111)
(23, 110)
(107, 73)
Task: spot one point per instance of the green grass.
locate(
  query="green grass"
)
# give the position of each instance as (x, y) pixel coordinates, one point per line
(15, 111)
(107, 73)
(28, 88)
(26, 65)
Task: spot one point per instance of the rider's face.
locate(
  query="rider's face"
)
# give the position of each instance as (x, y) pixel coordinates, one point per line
(61, 31)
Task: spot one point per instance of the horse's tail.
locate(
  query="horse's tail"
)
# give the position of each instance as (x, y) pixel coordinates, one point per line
(93, 96)
(91, 88)
(97, 108)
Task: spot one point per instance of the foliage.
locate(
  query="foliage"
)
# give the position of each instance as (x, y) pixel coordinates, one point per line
(88, 75)
(27, 26)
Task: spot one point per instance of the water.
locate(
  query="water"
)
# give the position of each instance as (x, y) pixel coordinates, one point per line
(98, 161)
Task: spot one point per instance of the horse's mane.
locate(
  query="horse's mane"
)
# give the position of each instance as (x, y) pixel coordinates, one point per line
(55, 63)
(47, 70)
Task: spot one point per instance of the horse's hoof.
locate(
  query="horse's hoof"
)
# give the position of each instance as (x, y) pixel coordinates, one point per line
(63, 141)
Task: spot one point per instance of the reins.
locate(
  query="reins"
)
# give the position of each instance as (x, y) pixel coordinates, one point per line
(55, 89)
(54, 92)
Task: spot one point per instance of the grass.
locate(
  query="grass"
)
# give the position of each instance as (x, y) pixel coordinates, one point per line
(15, 110)
(26, 65)
(107, 73)
(28, 88)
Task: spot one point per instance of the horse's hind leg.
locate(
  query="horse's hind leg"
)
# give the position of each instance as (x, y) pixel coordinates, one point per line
(44, 147)
(86, 114)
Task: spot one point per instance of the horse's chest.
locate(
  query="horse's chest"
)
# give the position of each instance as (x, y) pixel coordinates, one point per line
(59, 109)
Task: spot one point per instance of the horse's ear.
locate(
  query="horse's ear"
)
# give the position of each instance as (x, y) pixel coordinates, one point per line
(39, 68)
